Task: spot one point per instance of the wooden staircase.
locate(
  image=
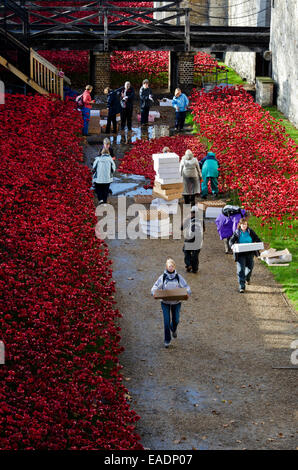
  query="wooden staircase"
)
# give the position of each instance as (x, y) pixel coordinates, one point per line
(28, 66)
(44, 77)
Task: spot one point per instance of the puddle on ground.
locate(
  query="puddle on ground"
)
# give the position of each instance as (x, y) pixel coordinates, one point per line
(137, 133)
(129, 185)
(121, 188)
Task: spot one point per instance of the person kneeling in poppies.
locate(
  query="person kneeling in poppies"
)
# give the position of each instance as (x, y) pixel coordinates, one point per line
(170, 279)
(244, 260)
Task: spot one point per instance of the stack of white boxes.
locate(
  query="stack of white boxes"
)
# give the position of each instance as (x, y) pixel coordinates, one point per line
(168, 183)
(155, 223)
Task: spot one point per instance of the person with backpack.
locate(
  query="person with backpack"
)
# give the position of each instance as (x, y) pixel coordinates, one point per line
(113, 107)
(84, 103)
(108, 150)
(193, 228)
(103, 169)
(146, 100)
(127, 97)
(191, 173)
(170, 279)
(209, 166)
(244, 260)
(180, 103)
(226, 223)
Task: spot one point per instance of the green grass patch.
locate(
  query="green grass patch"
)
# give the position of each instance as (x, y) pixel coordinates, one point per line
(281, 237)
(233, 77)
(289, 127)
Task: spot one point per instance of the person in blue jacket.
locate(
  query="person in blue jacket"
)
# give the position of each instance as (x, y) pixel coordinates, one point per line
(114, 107)
(180, 103)
(209, 166)
(245, 259)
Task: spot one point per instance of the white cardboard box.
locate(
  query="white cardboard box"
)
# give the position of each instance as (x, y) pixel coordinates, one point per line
(169, 180)
(166, 157)
(157, 224)
(171, 173)
(213, 212)
(166, 206)
(158, 200)
(165, 102)
(243, 247)
(157, 164)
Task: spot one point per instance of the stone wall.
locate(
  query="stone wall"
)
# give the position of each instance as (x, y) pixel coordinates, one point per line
(244, 14)
(204, 12)
(284, 47)
(244, 63)
(218, 12)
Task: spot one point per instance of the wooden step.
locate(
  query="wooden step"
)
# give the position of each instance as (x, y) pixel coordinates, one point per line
(22, 76)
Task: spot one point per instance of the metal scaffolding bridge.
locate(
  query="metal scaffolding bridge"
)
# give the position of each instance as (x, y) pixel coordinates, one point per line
(102, 25)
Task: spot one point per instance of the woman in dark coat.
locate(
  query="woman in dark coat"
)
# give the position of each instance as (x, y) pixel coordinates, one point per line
(127, 97)
(145, 101)
(244, 260)
(113, 103)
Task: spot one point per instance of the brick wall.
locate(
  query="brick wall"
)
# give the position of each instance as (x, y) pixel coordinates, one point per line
(102, 73)
(186, 70)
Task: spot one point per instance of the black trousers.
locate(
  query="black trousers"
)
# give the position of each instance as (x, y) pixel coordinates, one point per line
(191, 258)
(126, 117)
(180, 119)
(112, 119)
(189, 199)
(102, 191)
(144, 115)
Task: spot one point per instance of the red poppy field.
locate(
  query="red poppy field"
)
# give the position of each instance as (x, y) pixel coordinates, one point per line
(61, 382)
(130, 65)
(257, 159)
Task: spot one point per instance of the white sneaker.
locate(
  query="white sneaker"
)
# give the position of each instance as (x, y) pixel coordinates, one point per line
(167, 344)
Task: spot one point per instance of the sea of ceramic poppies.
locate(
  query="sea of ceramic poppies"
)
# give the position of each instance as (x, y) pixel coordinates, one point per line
(61, 386)
(139, 159)
(257, 158)
(149, 62)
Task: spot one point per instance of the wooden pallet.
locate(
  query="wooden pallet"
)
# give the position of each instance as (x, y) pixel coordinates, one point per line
(216, 203)
(153, 214)
(143, 198)
(168, 197)
(178, 186)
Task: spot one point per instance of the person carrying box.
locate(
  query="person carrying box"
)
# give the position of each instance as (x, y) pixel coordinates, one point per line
(170, 279)
(244, 260)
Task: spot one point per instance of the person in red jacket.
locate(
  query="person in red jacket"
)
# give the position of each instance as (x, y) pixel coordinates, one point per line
(87, 100)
